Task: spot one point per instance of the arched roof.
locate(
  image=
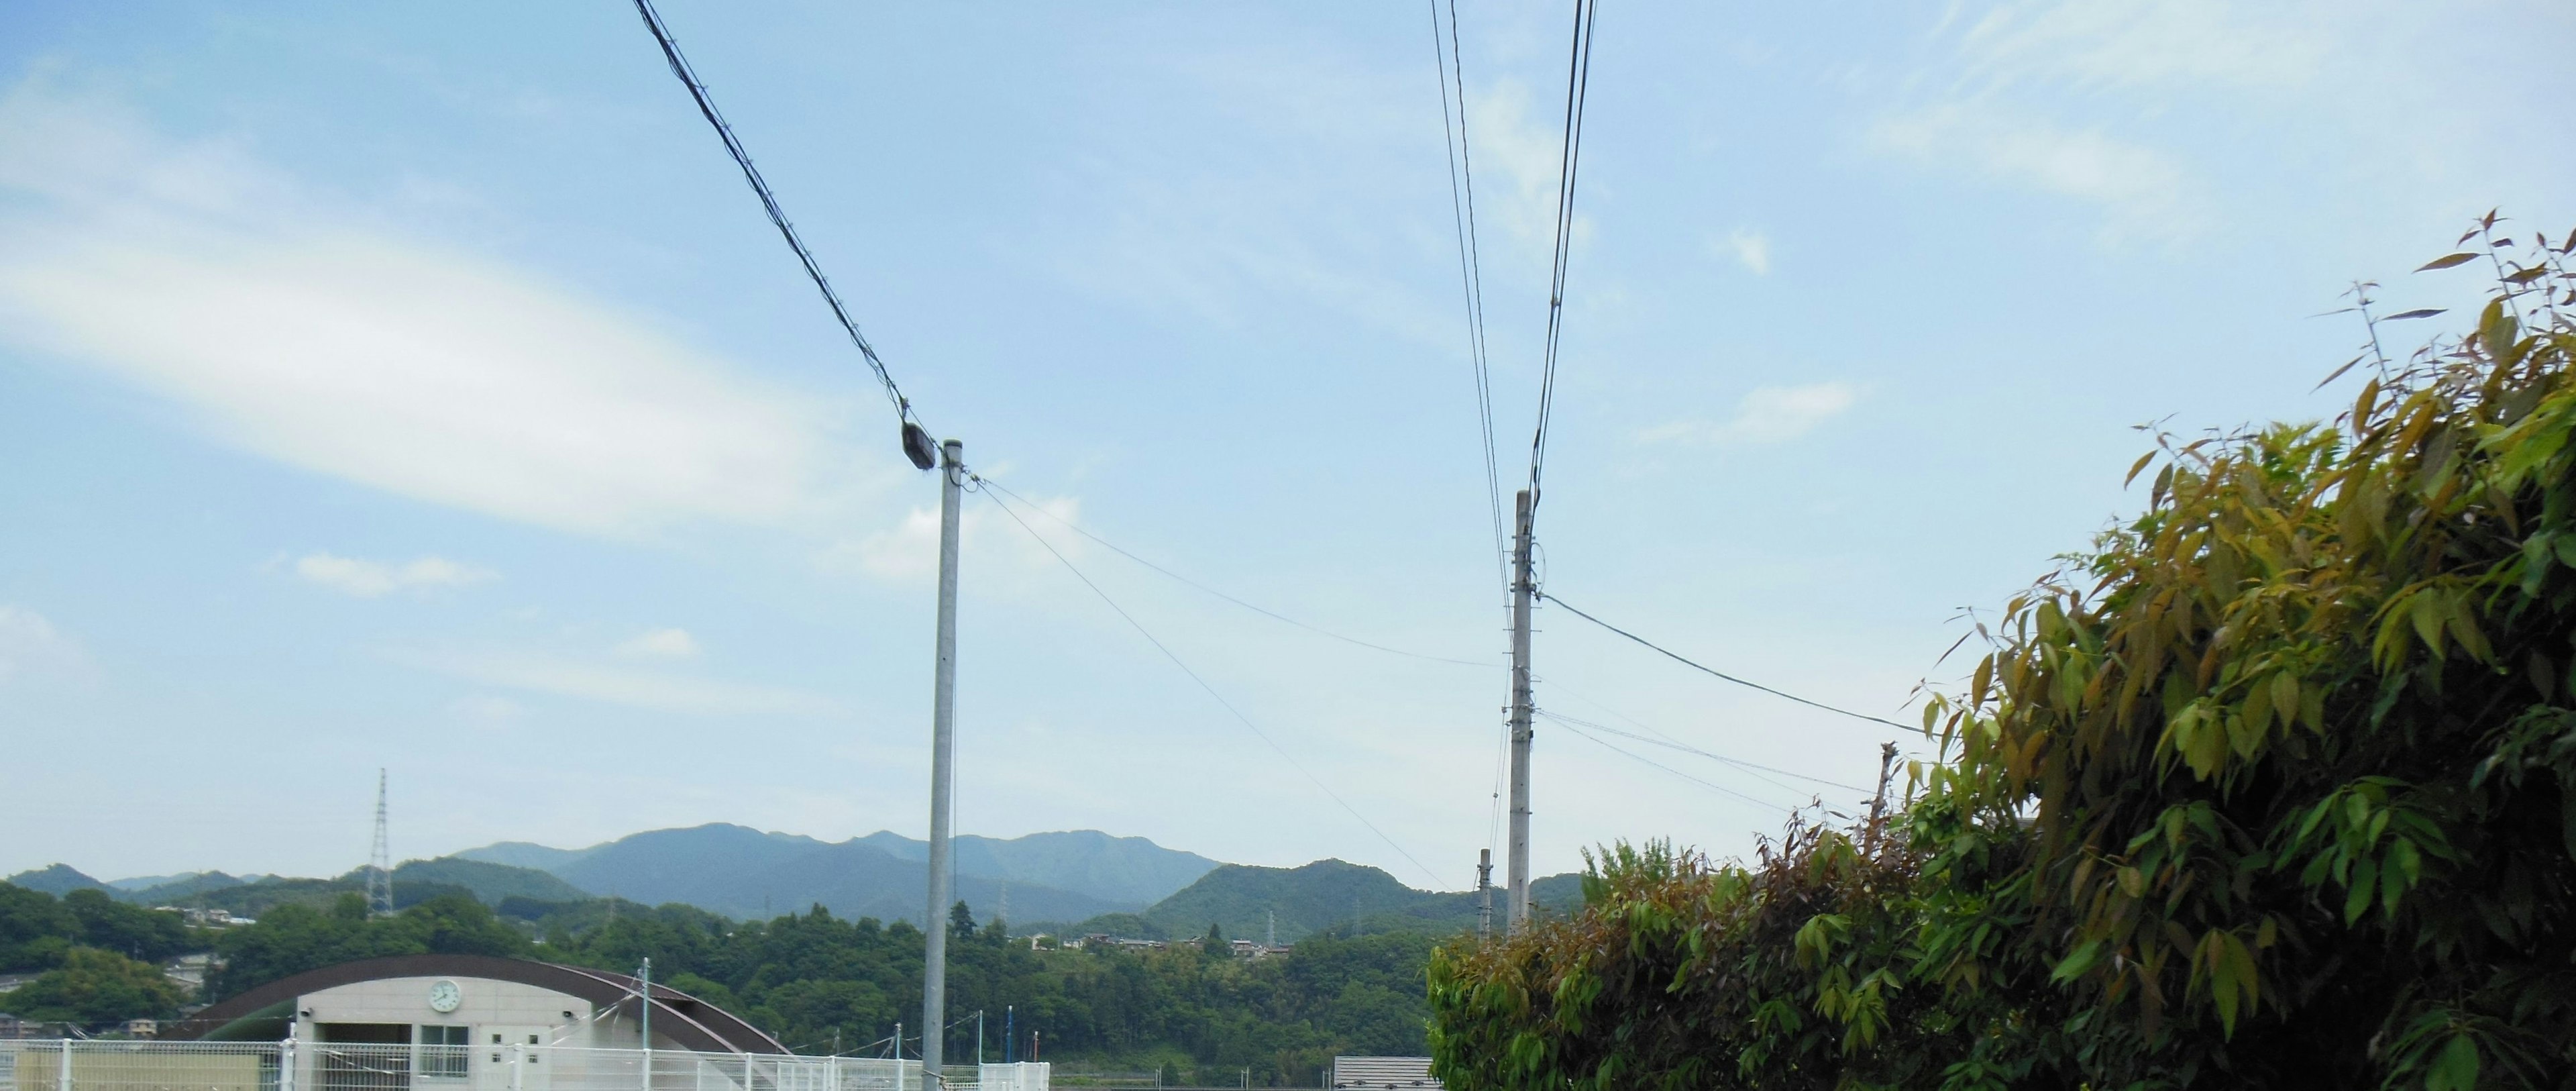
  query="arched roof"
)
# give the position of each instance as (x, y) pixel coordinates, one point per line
(685, 1019)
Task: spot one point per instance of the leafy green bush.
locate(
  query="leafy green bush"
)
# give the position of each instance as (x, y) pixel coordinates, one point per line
(94, 988)
(2274, 787)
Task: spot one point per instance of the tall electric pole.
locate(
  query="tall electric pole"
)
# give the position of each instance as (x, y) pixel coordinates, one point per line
(1484, 893)
(380, 860)
(1516, 873)
(943, 773)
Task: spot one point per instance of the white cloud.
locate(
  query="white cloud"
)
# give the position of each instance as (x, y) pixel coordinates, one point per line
(487, 710)
(1770, 414)
(30, 646)
(2147, 193)
(1751, 249)
(2138, 43)
(661, 643)
(369, 579)
(542, 673)
(284, 328)
(909, 552)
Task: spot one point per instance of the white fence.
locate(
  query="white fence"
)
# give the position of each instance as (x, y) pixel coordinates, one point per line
(55, 1065)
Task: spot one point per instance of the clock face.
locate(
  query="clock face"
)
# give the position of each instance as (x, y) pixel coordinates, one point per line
(445, 996)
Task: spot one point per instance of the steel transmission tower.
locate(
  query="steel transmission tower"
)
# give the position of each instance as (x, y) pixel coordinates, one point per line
(380, 862)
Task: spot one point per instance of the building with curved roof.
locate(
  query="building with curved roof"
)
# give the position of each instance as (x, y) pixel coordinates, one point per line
(474, 1000)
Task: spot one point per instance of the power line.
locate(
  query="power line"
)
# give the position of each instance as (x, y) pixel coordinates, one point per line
(1752, 769)
(1471, 272)
(1634, 756)
(1578, 83)
(768, 201)
(1238, 715)
(1570, 607)
(1271, 614)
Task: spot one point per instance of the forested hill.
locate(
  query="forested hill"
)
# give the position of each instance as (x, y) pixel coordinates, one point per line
(1326, 895)
(743, 872)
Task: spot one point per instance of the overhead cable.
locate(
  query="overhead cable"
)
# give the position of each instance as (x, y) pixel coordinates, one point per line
(1753, 769)
(1714, 672)
(1238, 715)
(1471, 272)
(768, 201)
(1637, 757)
(1578, 83)
(1271, 614)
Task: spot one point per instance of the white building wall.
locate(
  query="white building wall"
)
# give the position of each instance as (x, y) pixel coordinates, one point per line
(499, 1013)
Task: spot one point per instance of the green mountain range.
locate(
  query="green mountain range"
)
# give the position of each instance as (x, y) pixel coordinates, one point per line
(1327, 895)
(1069, 883)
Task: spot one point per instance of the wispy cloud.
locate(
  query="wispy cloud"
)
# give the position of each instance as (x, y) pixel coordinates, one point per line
(2146, 193)
(31, 647)
(1770, 414)
(909, 553)
(486, 710)
(2058, 96)
(289, 328)
(370, 579)
(661, 643)
(1750, 249)
(660, 691)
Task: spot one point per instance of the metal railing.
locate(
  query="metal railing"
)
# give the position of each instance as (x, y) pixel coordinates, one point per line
(61, 1065)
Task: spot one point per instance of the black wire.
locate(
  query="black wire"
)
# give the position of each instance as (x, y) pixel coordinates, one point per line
(1753, 769)
(1471, 272)
(1246, 721)
(1578, 84)
(1719, 673)
(1273, 615)
(778, 216)
(1633, 756)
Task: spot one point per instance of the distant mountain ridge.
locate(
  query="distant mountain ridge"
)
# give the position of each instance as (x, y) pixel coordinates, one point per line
(1247, 902)
(742, 872)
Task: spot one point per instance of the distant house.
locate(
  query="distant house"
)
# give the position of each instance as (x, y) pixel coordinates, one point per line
(140, 1028)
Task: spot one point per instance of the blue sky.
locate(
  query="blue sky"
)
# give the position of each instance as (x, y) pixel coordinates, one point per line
(419, 387)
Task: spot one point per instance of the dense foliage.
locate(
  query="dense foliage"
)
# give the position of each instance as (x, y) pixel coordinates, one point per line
(294, 938)
(2274, 787)
(95, 988)
(37, 930)
(814, 980)
(820, 983)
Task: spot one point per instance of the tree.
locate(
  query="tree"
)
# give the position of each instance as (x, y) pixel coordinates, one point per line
(961, 921)
(1214, 943)
(94, 988)
(133, 931)
(293, 938)
(35, 929)
(2273, 787)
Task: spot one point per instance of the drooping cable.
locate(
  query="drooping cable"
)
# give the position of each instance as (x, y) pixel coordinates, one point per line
(1751, 769)
(1177, 577)
(1471, 273)
(1637, 757)
(1238, 715)
(769, 202)
(1578, 84)
(1719, 674)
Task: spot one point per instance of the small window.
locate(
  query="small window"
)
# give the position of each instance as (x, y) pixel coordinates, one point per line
(444, 1052)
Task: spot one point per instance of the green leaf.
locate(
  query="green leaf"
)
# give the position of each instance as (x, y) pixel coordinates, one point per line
(2446, 261)
(2074, 964)
(2457, 1068)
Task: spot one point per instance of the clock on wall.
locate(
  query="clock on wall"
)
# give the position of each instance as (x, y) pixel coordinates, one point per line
(445, 996)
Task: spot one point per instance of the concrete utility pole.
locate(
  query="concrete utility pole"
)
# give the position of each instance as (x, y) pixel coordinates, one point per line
(1516, 897)
(943, 773)
(1484, 893)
